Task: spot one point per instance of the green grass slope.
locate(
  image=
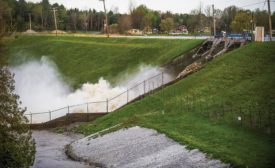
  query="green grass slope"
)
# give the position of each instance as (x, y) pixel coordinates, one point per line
(83, 59)
(201, 111)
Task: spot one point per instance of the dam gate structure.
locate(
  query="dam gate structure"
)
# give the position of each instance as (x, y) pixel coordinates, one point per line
(179, 68)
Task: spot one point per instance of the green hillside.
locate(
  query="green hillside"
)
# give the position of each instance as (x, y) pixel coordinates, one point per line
(202, 110)
(83, 59)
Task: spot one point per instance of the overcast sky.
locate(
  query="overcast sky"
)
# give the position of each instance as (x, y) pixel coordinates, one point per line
(175, 6)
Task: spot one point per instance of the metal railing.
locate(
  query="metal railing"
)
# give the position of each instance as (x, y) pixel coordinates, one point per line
(104, 106)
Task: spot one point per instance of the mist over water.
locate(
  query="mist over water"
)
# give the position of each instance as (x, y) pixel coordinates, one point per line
(41, 88)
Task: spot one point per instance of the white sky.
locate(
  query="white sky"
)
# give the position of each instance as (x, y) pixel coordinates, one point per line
(175, 6)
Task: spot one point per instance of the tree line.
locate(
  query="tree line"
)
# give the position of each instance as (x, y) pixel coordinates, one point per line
(15, 16)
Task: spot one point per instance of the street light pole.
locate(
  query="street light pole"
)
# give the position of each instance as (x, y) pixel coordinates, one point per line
(106, 18)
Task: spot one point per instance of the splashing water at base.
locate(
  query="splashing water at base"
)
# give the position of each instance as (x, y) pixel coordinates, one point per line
(41, 89)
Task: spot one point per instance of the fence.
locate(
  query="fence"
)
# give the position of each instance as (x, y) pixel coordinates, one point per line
(252, 114)
(245, 112)
(105, 106)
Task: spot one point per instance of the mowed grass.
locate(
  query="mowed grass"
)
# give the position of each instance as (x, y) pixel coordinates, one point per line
(83, 59)
(238, 79)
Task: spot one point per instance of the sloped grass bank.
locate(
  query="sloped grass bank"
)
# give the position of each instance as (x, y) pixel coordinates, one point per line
(82, 59)
(202, 110)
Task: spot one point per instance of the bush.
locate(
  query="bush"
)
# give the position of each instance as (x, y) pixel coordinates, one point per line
(17, 147)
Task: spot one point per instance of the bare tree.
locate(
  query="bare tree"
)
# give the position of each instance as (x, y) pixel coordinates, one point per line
(131, 6)
(208, 11)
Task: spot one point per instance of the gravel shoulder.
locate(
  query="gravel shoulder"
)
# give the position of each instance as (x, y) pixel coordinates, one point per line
(138, 147)
(50, 150)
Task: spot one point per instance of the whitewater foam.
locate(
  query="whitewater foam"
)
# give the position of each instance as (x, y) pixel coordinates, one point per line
(41, 89)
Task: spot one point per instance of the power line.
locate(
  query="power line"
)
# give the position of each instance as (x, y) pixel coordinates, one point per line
(264, 4)
(252, 4)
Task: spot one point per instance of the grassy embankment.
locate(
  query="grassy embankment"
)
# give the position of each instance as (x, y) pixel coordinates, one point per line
(241, 83)
(82, 59)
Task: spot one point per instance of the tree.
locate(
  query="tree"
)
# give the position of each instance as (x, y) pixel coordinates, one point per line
(16, 145)
(46, 13)
(113, 17)
(124, 23)
(241, 22)
(147, 21)
(82, 20)
(156, 19)
(62, 17)
(37, 12)
(228, 15)
(73, 20)
(138, 15)
(167, 25)
(261, 18)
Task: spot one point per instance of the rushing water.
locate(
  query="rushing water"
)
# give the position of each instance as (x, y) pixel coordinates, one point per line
(41, 89)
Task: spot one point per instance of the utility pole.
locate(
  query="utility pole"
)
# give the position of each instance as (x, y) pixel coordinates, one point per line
(214, 20)
(54, 10)
(30, 20)
(270, 22)
(106, 19)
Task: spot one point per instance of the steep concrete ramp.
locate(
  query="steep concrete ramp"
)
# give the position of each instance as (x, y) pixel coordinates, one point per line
(138, 147)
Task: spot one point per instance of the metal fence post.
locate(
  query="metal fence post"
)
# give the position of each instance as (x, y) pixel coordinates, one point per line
(200, 102)
(270, 116)
(162, 79)
(188, 103)
(87, 111)
(250, 117)
(260, 119)
(127, 96)
(50, 115)
(107, 104)
(144, 87)
(241, 115)
(67, 118)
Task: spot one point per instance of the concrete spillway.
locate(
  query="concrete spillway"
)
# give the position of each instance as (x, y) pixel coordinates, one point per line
(196, 58)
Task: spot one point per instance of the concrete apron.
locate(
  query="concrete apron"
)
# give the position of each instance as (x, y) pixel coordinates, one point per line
(138, 147)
